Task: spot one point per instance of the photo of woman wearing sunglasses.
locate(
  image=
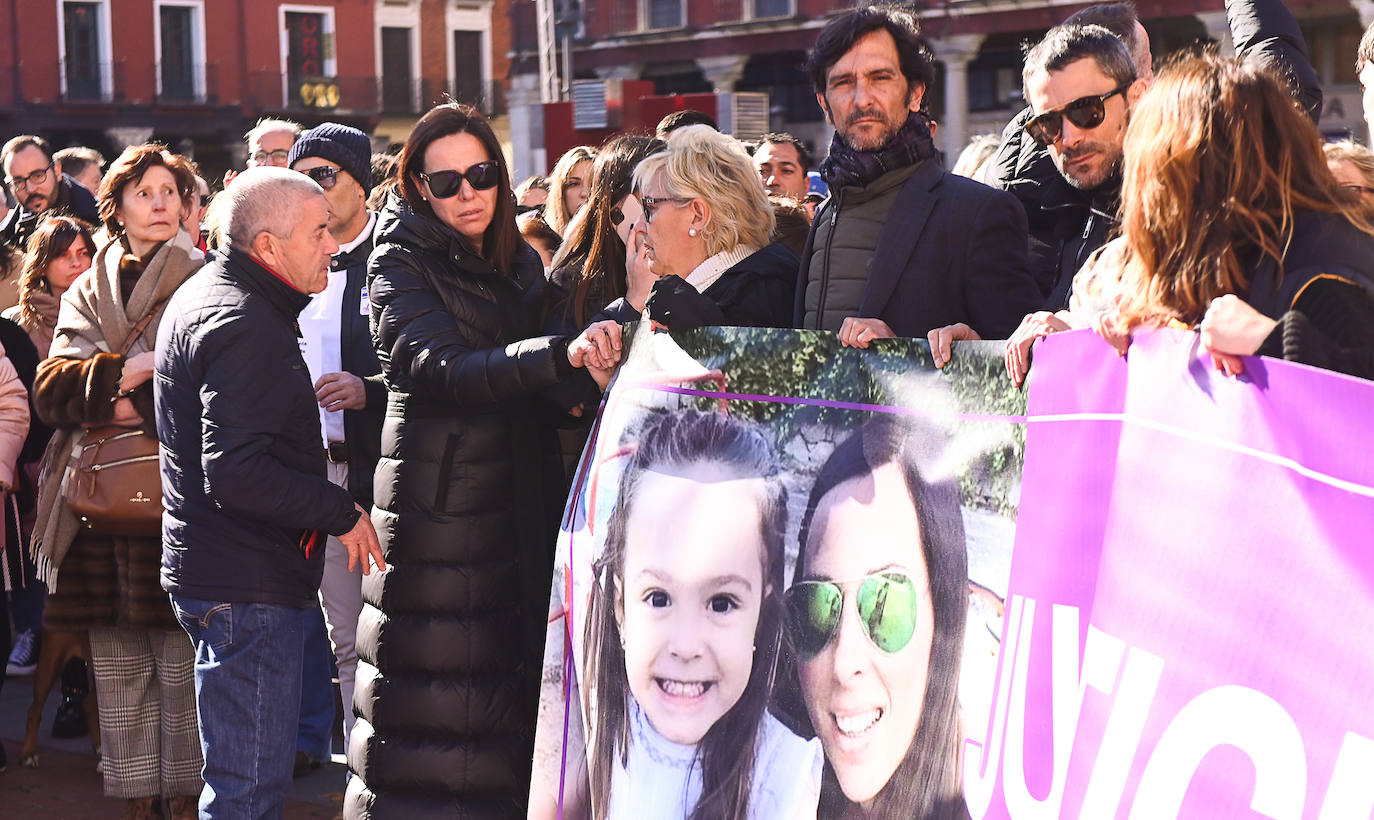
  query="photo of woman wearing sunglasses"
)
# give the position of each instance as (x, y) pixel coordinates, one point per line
(876, 615)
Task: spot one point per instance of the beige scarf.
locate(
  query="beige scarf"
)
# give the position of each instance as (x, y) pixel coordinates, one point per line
(94, 319)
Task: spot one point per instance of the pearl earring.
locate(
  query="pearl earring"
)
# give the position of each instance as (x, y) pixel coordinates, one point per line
(691, 231)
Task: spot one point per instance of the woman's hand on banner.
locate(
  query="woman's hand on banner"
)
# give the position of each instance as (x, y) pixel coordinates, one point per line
(1034, 327)
(1230, 329)
(856, 332)
(598, 348)
(942, 338)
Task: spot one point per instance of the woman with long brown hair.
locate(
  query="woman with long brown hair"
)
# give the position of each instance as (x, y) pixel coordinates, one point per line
(59, 251)
(568, 187)
(1232, 223)
(110, 584)
(468, 489)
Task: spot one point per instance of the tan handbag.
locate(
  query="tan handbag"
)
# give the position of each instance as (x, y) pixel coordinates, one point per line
(113, 483)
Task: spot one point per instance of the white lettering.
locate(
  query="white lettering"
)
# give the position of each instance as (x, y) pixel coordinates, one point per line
(1351, 793)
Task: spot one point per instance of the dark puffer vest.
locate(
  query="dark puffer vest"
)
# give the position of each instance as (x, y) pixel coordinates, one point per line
(451, 640)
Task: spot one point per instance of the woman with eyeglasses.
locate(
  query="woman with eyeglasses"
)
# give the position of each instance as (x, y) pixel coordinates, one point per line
(1233, 224)
(110, 585)
(707, 231)
(875, 617)
(468, 490)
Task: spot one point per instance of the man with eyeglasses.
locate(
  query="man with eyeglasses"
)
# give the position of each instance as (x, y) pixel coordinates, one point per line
(901, 246)
(337, 344)
(269, 144)
(39, 188)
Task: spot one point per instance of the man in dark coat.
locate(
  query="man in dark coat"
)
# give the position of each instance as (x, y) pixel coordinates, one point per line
(902, 246)
(1071, 214)
(39, 188)
(247, 500)
(338, 350)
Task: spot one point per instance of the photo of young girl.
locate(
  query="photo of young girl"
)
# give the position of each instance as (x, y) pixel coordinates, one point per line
(684, 628)
(876, 618)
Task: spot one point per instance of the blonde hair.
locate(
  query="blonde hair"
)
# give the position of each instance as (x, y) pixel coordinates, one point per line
(1352, 152)
(556, 209)
(702, 163)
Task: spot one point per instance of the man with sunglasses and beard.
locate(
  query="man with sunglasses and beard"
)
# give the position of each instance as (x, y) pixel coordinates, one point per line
(1070, 214)
(902, 246)
(337, 344)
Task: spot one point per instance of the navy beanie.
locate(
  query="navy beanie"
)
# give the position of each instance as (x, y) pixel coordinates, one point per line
(349, 147)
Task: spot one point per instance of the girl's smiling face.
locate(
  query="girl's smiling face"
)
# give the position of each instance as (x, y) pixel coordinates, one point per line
(692, 591)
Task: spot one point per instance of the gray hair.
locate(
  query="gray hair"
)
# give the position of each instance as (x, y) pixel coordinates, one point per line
(262, 199)
(1067, 44)
(702, 162)
(271, 126)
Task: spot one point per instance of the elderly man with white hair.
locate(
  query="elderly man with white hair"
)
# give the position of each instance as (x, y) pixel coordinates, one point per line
(247, 501)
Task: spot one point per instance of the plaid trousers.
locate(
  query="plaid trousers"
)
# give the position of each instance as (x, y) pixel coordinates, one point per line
(150, 744)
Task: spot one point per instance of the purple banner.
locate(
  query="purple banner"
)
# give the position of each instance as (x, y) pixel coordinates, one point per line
(1191, 594)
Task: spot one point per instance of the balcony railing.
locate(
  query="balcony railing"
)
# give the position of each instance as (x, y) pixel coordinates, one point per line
(270, 90)
(188, 85)
(415, 97)
(89, 81)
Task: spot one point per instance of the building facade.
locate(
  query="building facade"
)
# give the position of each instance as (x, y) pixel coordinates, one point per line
(692, 46)
(196, 74)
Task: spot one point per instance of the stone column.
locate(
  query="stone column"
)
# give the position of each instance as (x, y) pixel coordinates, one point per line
(955, 52)
(123, 137)
(1365, 8)
(723, 72)
(1218, 29)
(526, 126)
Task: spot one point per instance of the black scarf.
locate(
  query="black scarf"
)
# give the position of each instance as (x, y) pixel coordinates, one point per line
(849, 166)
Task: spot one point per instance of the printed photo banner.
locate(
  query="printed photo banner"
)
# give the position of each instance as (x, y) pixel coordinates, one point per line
(786, 575)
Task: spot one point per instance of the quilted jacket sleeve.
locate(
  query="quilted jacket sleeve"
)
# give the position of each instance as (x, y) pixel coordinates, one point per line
(424, 351)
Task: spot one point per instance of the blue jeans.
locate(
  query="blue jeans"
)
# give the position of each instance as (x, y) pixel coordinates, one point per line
(248, 683)
(315, 734)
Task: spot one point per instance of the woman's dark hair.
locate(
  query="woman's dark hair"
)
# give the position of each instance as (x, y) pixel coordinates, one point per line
(592, 251)
(727, 749)
(130, 166)
(53, 237)
(841, 33)
(928, 782)
(502, 239)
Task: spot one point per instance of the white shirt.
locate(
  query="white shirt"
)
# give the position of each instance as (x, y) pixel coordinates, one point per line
(321, 334)
(706, 274)
(663, 779)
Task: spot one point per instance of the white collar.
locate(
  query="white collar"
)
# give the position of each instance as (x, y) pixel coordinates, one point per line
(706, 274)
(358, 240)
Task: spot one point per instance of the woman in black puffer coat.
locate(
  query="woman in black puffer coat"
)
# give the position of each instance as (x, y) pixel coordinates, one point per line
(450, 640)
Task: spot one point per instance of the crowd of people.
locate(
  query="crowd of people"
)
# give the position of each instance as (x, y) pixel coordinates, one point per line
(369, 376)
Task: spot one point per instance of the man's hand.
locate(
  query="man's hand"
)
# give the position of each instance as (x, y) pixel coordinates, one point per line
(361, 543)
(941, 338)
(341, 391)
(137, 370)
(1034, 327)
(856, 332)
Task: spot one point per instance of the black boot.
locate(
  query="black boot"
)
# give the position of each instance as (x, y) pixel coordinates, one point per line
(70, 721)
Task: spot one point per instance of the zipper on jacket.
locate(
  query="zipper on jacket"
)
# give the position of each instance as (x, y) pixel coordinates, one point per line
(825, 266)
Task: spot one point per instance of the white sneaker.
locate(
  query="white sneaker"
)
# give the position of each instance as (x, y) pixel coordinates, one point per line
(24, 657)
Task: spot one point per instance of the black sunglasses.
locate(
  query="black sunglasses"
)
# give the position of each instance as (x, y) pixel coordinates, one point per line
(325, 176)
(482, 176)
(1084, 112)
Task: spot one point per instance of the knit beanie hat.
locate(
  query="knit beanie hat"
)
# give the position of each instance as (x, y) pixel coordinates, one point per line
(349, 147)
